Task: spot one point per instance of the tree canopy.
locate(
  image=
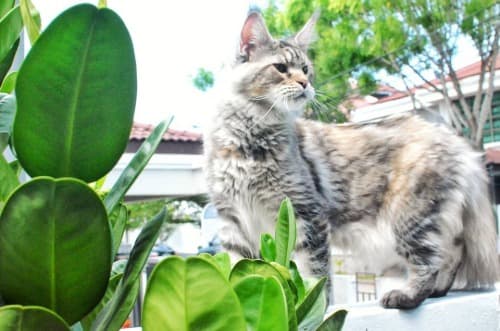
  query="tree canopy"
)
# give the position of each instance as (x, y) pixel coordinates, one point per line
(203, 80)
(406, 38)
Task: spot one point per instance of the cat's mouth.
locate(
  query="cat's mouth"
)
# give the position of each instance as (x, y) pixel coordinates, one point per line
(300, 96)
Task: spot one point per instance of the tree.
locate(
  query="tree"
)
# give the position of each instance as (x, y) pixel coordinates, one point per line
(203, 80)
(408, 39)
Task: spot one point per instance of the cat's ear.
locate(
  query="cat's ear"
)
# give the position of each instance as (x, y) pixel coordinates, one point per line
(308, 33)
(254, 35)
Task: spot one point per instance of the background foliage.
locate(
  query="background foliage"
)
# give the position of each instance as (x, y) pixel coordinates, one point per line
(414, 40)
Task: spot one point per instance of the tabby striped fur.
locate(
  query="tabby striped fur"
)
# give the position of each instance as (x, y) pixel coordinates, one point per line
(401, 190)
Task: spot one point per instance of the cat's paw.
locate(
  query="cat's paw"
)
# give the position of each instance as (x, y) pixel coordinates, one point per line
(399, 299)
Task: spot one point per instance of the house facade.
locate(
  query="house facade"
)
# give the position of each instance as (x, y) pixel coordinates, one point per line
(176, 169)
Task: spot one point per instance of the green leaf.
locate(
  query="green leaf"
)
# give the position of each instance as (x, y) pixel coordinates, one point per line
(8, 180)
(118, 308)
(297, 281)
(334, 322)
(267, 247)
(31, 19)
(9, 83)
(5, 6)
(55, 247)
(102, 3)
(264, 303)
(286, 275)
(108, 295)
(315, 315)
(16, 168)
(6, 63)
(220, 260)
(286, 233)
(11, 26)
(190, 294)
(118, 220)
(7, 113)
(76, 95)
(309, 301)
(257, 267)
(30, 318)
(118, 267)
(136, 165)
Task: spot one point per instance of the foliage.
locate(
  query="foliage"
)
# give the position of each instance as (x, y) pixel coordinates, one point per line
(68, 116)
(58, 237)
(203, 80)
(204, 292)
(405, 38)
(180, 210)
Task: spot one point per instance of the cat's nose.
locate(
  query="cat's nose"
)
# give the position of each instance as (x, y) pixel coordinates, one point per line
(302, 83)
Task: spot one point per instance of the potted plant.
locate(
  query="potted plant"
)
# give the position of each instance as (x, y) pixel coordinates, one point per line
(67, 115)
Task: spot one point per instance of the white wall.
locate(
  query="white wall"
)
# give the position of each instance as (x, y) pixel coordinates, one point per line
(458, 311)
(427, 98)
(165, 175)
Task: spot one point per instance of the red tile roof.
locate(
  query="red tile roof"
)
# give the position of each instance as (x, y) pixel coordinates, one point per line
(141, 131)
(493, 155)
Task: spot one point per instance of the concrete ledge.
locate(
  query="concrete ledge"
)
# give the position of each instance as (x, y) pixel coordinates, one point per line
(458, 311)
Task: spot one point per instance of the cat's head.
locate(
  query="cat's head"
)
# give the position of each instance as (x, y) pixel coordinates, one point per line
(275, 72)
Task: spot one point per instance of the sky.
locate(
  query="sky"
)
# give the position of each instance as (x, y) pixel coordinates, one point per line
(172, 39)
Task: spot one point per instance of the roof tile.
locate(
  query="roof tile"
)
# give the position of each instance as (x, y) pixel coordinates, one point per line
(141, 131)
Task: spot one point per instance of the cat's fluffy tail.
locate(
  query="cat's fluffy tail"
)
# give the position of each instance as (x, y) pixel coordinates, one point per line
(479, 267)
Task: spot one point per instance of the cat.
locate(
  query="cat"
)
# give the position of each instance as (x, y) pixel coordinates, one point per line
(400, 190)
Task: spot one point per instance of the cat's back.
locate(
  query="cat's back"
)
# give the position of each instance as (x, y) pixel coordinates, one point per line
(372, 168)
(401, 140)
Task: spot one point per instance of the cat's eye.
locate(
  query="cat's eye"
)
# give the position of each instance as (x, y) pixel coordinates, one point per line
(281, 67)
(305, 70)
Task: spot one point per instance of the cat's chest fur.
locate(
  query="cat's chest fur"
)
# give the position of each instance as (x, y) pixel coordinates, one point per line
(250, 171)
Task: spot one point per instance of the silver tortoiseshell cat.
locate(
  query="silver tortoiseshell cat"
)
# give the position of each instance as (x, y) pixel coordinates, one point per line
(400, 190)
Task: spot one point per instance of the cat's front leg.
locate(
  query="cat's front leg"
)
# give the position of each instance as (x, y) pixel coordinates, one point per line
(234, 241)
(312, 251)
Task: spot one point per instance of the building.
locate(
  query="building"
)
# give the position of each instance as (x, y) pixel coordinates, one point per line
(174, 170)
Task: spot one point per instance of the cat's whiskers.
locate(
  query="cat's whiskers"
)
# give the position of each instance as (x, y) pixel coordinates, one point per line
(258, 98)
(265, 115)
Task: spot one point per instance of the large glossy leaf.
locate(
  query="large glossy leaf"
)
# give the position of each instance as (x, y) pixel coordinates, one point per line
(7, 112)
(334, 322)
(246, 268)
(119, 307)
(287, 276)
(220, 260)
(5, 6)
(286, 233)
(30, 318)
(310, 301)
(76, 95)
(8, 180)
(55, 247)
(135, 167)
(9, 83)
(190, 295)
(264, 303)
(31, 19)
(10, 29)
(6, 62)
